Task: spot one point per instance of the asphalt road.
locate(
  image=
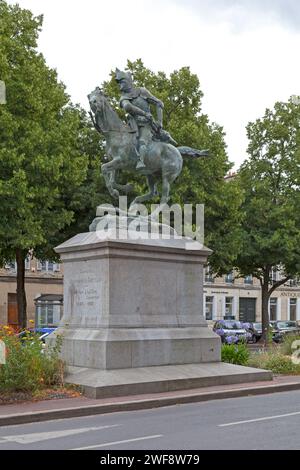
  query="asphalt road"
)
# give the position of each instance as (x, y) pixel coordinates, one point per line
(261, 422)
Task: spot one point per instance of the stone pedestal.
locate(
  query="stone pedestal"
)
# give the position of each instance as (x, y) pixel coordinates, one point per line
(130, 306)
(134, 303)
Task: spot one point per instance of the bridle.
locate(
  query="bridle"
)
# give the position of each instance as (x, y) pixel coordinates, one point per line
(101, 129)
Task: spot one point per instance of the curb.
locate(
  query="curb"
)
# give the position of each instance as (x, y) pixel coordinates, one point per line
(38, 416)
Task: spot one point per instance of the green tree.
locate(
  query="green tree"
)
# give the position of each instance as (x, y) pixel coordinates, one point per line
(88, 195)
(202, 180)
(270, 179)
(41, 159)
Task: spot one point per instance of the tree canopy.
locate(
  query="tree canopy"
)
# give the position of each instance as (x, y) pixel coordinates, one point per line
(41, 158)
(270, 179)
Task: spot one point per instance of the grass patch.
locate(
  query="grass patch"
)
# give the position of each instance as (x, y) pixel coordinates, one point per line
(280, 359)
(275, 361)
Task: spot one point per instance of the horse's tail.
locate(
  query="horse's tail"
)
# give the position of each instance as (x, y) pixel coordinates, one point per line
(190, 152)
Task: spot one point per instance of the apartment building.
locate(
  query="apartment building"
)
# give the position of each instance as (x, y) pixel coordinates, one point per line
(44, 290)
(232, 296)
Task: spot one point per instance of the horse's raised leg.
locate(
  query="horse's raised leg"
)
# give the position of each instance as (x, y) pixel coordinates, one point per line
(125, 188)
(152, 192)
(165, 194)
(166, 183)
(108, 171)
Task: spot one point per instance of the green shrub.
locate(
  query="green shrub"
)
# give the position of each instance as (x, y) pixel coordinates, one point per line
(235, 353)
(275, 361)
(29, 367)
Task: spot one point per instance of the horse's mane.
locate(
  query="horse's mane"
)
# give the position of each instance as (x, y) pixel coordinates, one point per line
(110, 118)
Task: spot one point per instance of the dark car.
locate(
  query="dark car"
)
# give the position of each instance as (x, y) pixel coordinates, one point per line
(231, 331)
(282, 328)
(255, 329)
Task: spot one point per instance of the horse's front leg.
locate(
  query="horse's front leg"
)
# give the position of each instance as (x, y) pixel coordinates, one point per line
(108, 171)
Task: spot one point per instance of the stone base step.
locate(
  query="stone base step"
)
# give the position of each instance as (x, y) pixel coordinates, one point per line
(98, 383)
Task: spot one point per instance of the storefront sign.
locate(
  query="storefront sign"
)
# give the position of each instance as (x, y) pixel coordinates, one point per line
(290, 294)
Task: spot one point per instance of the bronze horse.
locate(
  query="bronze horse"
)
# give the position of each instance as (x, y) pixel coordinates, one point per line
(162, 160)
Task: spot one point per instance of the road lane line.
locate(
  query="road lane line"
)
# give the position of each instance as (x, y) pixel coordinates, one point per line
(266, 418)
(45, 436)
(119, 442)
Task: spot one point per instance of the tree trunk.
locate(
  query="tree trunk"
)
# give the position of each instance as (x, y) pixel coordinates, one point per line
(21, 294)
(265, 294)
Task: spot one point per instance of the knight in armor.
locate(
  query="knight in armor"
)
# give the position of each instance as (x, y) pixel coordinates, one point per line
(136, 102)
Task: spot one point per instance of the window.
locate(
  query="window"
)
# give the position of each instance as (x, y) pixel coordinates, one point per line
(274, 275)
(293, 309)
(45, 315)
(273, 309)
(209, 307)
(229, 306)
(27, 263)
(248, 279)
(48, 310)
(229, 278)
(47, 266)
(42, 316)
(50, 266)
(11, 265)
(41, 265)
(293, 282)
(50, 314)
(208, 275)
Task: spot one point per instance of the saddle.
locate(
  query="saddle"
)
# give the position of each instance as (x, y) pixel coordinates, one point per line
(159, 134)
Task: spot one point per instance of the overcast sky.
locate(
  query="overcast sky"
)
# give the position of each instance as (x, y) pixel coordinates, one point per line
(245, 52)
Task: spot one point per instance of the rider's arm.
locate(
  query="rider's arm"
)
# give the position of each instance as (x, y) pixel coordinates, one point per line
(153, 100)
(134, 110)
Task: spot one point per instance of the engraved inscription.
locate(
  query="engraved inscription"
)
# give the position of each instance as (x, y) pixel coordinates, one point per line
(86, 295)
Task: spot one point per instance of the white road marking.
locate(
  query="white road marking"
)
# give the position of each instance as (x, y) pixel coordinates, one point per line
(266, 418)
(44, 436)
(114, 443)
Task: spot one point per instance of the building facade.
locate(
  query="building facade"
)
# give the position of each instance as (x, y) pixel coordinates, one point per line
(231, 296)
(42, 278)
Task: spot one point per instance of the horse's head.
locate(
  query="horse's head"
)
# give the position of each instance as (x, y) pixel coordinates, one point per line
(105, 116)
(96, 99)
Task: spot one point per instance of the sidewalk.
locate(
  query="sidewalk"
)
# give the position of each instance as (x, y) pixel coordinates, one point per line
(74, 407)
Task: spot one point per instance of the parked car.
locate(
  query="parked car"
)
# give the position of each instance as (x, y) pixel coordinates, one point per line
(255, 329)
(231, 331)
(42, 333)
(282, 328)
